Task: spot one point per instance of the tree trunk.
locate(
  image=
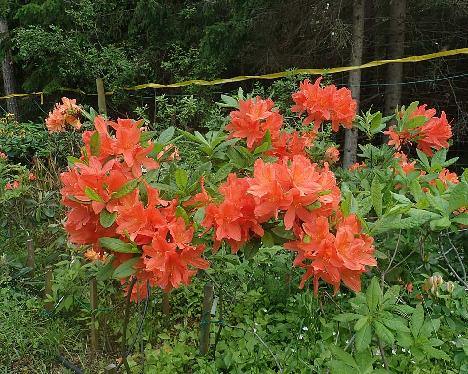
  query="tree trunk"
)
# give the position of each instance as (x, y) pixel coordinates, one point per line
(351, 135)
(396, 49)
(7, 71)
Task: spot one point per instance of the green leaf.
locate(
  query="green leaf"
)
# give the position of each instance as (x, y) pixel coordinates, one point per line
(440, 224)
(181, 178)
(222, 173)
(363, 337)
(95, 144)
(347, 317)
(404, 339)
(417, 320)
(376, 196)
(107, 219)
(126, 269)
(282, 233)
(401, 198)
(461, 219)
(424, 160)
(229, 102)
(118, 245)
(373, 295)
(416, 191)
(146, 135)
(93, 195)
(416, 121)
(267, 240)
(362, 321)
(435, 353)
(339, 367)
(396, 324)
(383, 333)
(199, 216)
(458, 196)
(72, 160)
(166, 136)
(125, 189)
(343, 356)
(266, 144)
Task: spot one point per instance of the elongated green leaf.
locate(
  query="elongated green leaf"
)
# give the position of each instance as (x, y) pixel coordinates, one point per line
(126, 269)
(383, 333)
(396, 324)
(125, 189)
(347, 317)
(181, 178)
(95, 144)
(362, 321)
(363, 337)
(417, 320)
(72, 160)
(118, 245)
(106, 271)
(343, 356)
(93, 195)
(373, 295)
(376, 196)
(167, 135)
(107, 219)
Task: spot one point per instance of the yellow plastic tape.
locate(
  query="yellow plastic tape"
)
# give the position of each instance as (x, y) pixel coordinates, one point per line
(201, 82)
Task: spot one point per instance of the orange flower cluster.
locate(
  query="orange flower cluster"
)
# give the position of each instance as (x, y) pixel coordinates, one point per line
(63, 114)
(101, 190)
(305, 198)
(433, 134)
(325, 104)
(12, 185)
(3, 156)
(257, 117)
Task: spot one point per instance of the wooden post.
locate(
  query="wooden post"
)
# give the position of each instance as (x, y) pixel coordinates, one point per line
(166, 305)
(208, 293)
(101, 96)
(49, 305)
(30, 260)
(94, 303)
(110, 369)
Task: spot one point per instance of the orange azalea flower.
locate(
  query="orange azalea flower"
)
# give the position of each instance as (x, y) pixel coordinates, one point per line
(324, 104)
(253, 119)
(445, 176)
(92, 255)
(32, 177)
(63, 114)
(433, 134)
(406, 166)
(358, 166)
(332, 155)
(12, 186)
(3, 156)
(234, 219)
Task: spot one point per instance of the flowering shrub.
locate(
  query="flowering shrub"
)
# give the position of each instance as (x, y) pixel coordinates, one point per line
(133, 208)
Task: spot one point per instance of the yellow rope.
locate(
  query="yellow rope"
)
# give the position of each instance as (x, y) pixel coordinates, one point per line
(201, 82)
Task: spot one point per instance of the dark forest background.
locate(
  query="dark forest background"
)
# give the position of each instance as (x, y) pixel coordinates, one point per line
(69, 43)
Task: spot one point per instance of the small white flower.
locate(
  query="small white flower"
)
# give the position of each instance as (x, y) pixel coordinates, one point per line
(305, 328)
(254, 330)
(347, 341)
(403, 350)
(264, 310)
(333, 33)
(334, 333)
(393, 351)
(293, 350)
(301, 337)
(327, 6)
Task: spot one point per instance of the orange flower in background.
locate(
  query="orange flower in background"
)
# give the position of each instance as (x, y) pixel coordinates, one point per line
(252, 121)
(332, 155)
(446, 177)
(324, 104)
(358, 166)
(32, 177)
(433, 134)
(12, 185)
(406, 166)
(63, 114)
(3, 156)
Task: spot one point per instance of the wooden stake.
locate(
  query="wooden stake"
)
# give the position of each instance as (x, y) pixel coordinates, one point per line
(30, 260)
(101, 96)
(49, 305)
(94, 303)
(208, 293)
(166, 305)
